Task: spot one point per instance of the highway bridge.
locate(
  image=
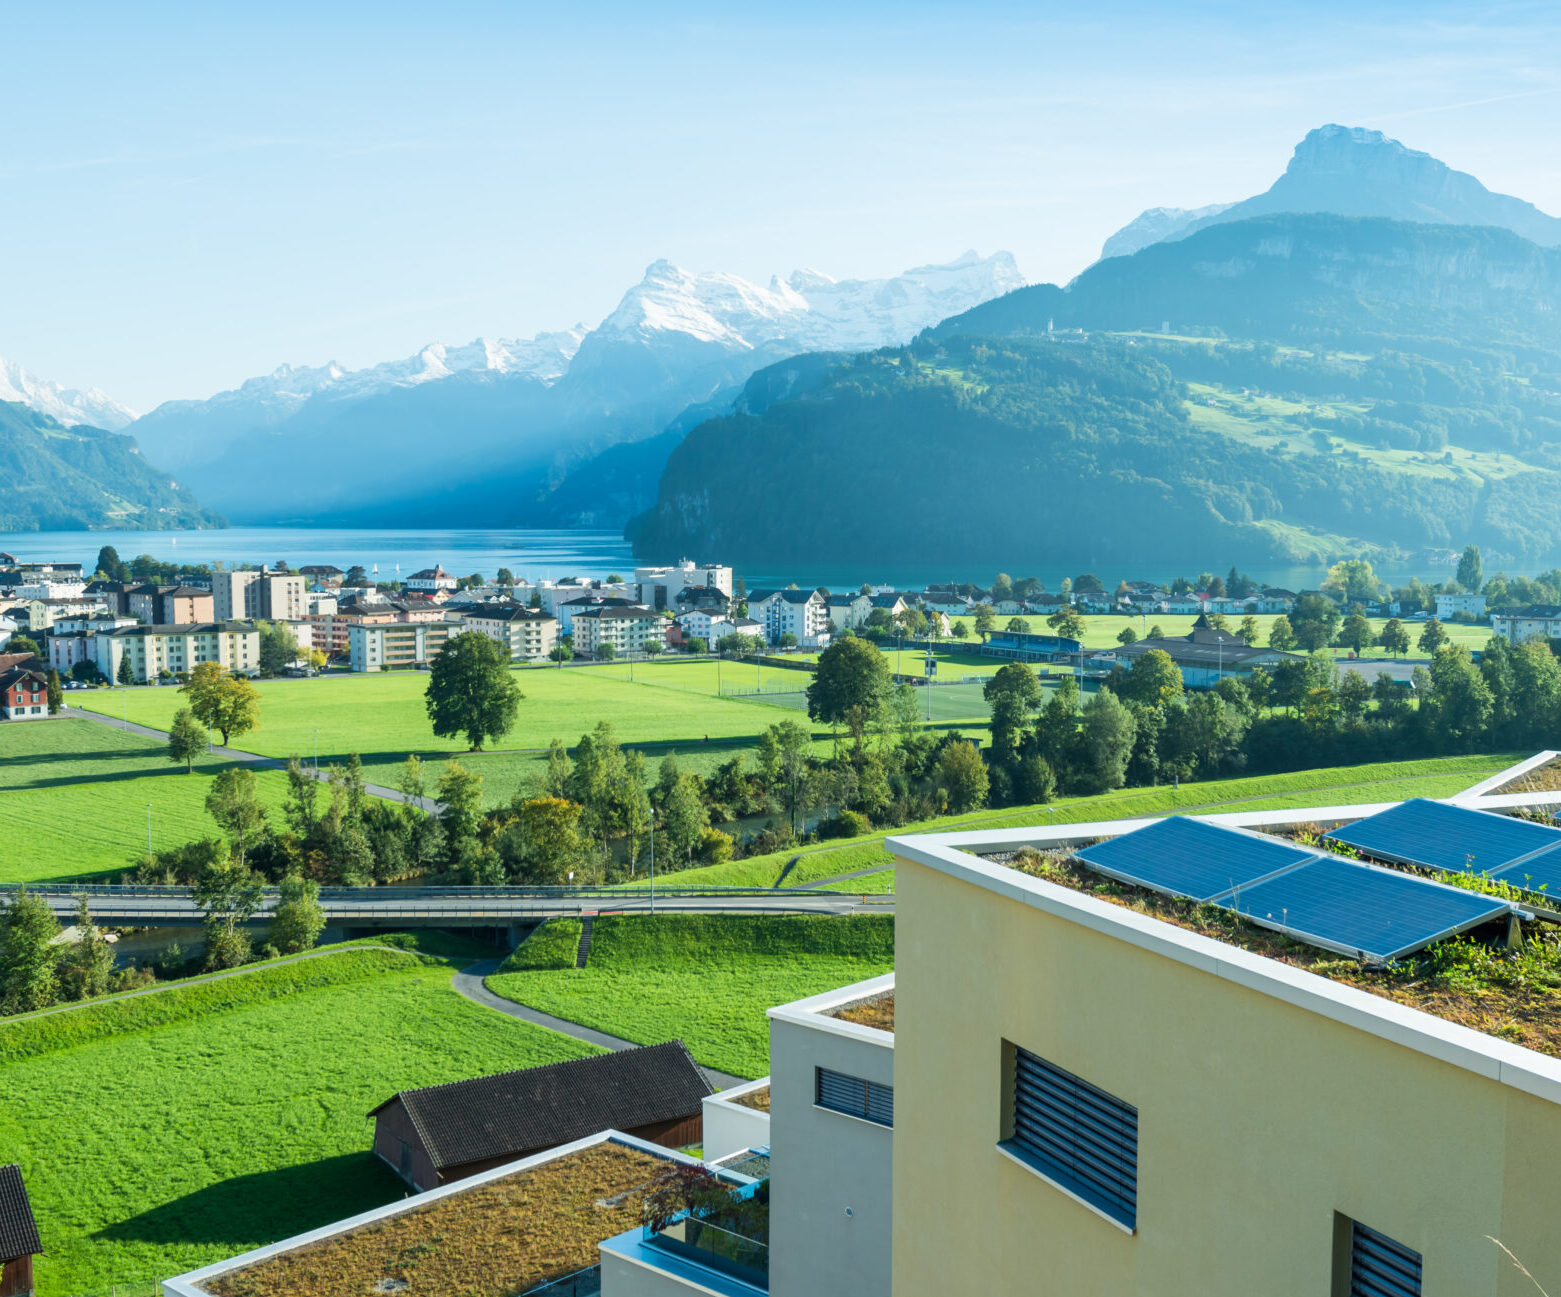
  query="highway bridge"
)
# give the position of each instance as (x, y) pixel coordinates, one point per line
(399, 908)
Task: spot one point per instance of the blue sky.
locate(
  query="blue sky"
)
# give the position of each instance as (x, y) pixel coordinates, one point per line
(194, 195)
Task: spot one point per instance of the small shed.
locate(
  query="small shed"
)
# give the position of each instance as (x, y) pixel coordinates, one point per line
(18, 1235)
(442, 1133)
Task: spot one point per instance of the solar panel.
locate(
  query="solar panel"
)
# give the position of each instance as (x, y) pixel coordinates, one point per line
(1434, 835)
(1361, 910)
(1192, 858)
(1539, 873)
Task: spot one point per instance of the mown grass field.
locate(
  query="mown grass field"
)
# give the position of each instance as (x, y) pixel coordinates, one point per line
(1334, 785)
(164, 1132)
(704, 979)
(1102, 631)
(74, 797)
(382, 718)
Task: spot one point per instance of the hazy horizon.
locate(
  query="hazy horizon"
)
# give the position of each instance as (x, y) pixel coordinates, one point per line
(199, 196)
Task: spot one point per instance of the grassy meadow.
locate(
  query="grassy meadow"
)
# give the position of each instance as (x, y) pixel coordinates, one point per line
(704, 979)
(74, 798)
(160, 1133)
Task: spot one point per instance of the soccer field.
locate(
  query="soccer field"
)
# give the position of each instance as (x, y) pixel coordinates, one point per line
(959, 702)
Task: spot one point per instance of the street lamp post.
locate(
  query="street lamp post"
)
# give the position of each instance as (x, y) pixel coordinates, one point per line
(149, 833)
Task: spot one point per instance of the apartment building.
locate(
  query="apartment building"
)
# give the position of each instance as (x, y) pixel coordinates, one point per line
(627, 630)
(153, 650)
(1092, 1099)
(802, 613)
(525, 634)
(266, 595)
(659, 587)
(170, 605)
(1449, 606)
(567, 610)
(389, 645)
(1537, 621)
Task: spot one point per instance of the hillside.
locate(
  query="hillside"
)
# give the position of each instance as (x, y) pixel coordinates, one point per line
(1102, 446)
(58, 478)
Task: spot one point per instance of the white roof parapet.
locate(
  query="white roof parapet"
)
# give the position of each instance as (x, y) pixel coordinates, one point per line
(814, 1011)
(1504, 777)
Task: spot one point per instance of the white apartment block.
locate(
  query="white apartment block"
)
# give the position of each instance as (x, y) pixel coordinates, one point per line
(386, 646)
(525, 634)
(802, 613)
(628, 630)
(659, 586)
(1450, 605)
(152, 650)
(1535, 622)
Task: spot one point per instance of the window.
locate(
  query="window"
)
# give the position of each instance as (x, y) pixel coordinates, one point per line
(1080, 1138)
(853, 1096)
(1378, 1266)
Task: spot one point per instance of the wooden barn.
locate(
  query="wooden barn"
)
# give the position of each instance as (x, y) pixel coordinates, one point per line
(18, 1235)
(442, 1133)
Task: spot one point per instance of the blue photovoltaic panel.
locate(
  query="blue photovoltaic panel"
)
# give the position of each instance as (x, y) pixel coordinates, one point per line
(1362, 910)
(1190, 857)
(1540, 874)
(1436, 836)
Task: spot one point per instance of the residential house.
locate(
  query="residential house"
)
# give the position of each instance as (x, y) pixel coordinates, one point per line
(701, 598)
(24, 693)
(170, 605)
(554, 595)
(945, 601)
(43, 613)
(892, 602)
(627, 630)
(1449, 606)
(430, 579)
(1537, 621)
(568, 610)
(525, 634)
(802, 613)
(19, 1242)
(659, 587)
(444, 1133)
(707, 626)
(849, 611)
(375, 645)
(324, 576)
(175, 650)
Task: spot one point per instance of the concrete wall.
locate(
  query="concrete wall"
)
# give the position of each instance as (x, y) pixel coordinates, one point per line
(730, 1127)
(623, 1277)
(825, 1165)
(1269, 1101)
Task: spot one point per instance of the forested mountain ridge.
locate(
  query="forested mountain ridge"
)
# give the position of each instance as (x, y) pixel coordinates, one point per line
(54, 477)
(1338, 385)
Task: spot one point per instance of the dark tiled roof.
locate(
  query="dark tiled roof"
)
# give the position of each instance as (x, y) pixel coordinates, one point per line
(19, 675)
(1534, 612)
(631, 613)
(18, 1230)
(499, 612)
(790, 596)
(185, 592)
(183, 628)
(540, 1107)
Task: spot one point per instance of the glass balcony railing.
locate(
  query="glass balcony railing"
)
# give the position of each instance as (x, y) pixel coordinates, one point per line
(733, 1240)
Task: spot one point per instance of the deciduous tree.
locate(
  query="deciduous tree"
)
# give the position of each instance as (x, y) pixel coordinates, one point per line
(223, 702)
(471, 691)
(963, 777)
(27, 957)
(851, 674)
(187, 739)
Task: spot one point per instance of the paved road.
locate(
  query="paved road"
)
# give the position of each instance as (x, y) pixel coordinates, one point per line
(248, 758)
(471, 982)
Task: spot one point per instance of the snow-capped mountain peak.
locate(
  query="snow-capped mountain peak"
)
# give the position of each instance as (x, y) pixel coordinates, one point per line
(69, 406)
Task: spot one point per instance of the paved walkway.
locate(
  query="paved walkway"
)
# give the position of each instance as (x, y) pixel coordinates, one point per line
(471, 982)
(248, 758)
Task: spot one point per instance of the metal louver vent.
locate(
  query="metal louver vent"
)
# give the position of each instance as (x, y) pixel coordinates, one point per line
(1076, 1135)
(854, 1096)
(1379, 1267)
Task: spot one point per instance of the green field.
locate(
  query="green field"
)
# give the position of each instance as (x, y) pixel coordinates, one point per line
(706, 980)
(1335, 785)
(74, 797)
(164, 1132)
(381, 717)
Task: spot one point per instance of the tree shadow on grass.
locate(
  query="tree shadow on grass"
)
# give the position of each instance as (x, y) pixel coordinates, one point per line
(248, 1210)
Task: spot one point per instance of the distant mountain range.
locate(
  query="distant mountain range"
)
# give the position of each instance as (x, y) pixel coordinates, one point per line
(59, 478)
(490, 432)
(67, 405)
(1353, 172)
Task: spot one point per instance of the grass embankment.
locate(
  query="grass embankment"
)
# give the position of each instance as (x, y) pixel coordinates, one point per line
(74, 797)
(382, 718)
(1345, 785)
(704, 979)
(163, 1132)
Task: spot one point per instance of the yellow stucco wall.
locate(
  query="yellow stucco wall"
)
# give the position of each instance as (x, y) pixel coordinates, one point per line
(1258, 1120)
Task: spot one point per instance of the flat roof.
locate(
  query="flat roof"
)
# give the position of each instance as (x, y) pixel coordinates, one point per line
(502, 1231)
(1422, 1019)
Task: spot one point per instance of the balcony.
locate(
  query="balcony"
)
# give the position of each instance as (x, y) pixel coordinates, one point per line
(721, 1242)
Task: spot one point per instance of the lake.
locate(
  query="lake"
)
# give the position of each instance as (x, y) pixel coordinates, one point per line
(539, 553)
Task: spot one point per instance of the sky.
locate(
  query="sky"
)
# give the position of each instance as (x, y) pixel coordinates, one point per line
(196, 194)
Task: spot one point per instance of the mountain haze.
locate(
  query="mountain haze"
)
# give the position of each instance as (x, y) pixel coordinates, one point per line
(67, 405)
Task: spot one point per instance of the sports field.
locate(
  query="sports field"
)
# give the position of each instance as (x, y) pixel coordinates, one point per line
(74, 799)
(177, 1136)
(956, 702)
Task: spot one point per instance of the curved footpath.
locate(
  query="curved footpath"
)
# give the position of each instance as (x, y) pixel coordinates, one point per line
(468, 982)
